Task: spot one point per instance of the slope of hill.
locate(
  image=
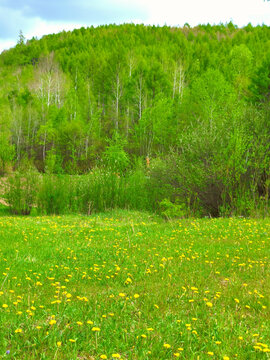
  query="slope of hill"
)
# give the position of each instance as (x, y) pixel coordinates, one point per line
(112, 94)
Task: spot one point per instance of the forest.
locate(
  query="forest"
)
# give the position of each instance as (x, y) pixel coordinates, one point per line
(166, 119)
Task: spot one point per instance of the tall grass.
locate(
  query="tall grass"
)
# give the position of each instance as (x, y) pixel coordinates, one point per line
(98, 191)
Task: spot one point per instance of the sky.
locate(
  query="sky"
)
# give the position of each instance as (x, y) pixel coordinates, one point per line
(36, 18)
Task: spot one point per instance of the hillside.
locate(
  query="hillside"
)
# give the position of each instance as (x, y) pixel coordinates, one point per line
(113, 94)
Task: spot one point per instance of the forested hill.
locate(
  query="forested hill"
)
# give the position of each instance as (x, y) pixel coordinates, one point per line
(143, 89)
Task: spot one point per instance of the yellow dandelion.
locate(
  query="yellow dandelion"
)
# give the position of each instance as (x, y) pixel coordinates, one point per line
(58, 343)
(103, 356)
(116, 356)
(18, 331)
(209, 304)
(167, 346)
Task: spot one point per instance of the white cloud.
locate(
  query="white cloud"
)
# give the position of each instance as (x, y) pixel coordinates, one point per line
(178, 12)
(6, 44)
(41, 27)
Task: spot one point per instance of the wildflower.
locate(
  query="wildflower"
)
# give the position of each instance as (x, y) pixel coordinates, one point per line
(167, 346)
(136, 296)
(209, 304)
(58, 343)
(79, 323)
(116, 356)
(103, 357)
(5, 306)
(18, 331)
(72, 340)
(122, 294)
(237, 301)
(210, 353)
(226, 357)
(95, 328)
(52, 322)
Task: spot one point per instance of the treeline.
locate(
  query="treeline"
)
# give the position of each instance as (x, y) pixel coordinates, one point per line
(192, 103)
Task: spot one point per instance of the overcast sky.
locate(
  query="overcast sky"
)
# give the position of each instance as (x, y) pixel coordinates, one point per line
(40, 17)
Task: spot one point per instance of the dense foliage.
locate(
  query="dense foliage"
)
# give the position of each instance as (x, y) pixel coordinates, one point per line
(193, 103)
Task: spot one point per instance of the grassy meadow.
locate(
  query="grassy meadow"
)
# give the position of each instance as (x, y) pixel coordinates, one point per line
(128, 285)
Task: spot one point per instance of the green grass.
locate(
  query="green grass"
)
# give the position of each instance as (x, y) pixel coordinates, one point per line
(199, 287)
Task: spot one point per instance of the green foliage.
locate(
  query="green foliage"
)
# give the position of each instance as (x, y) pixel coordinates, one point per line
(172, 210)
(53, 194)
(195, 101)
(7, 152)
(21, 191)
(115, 156)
